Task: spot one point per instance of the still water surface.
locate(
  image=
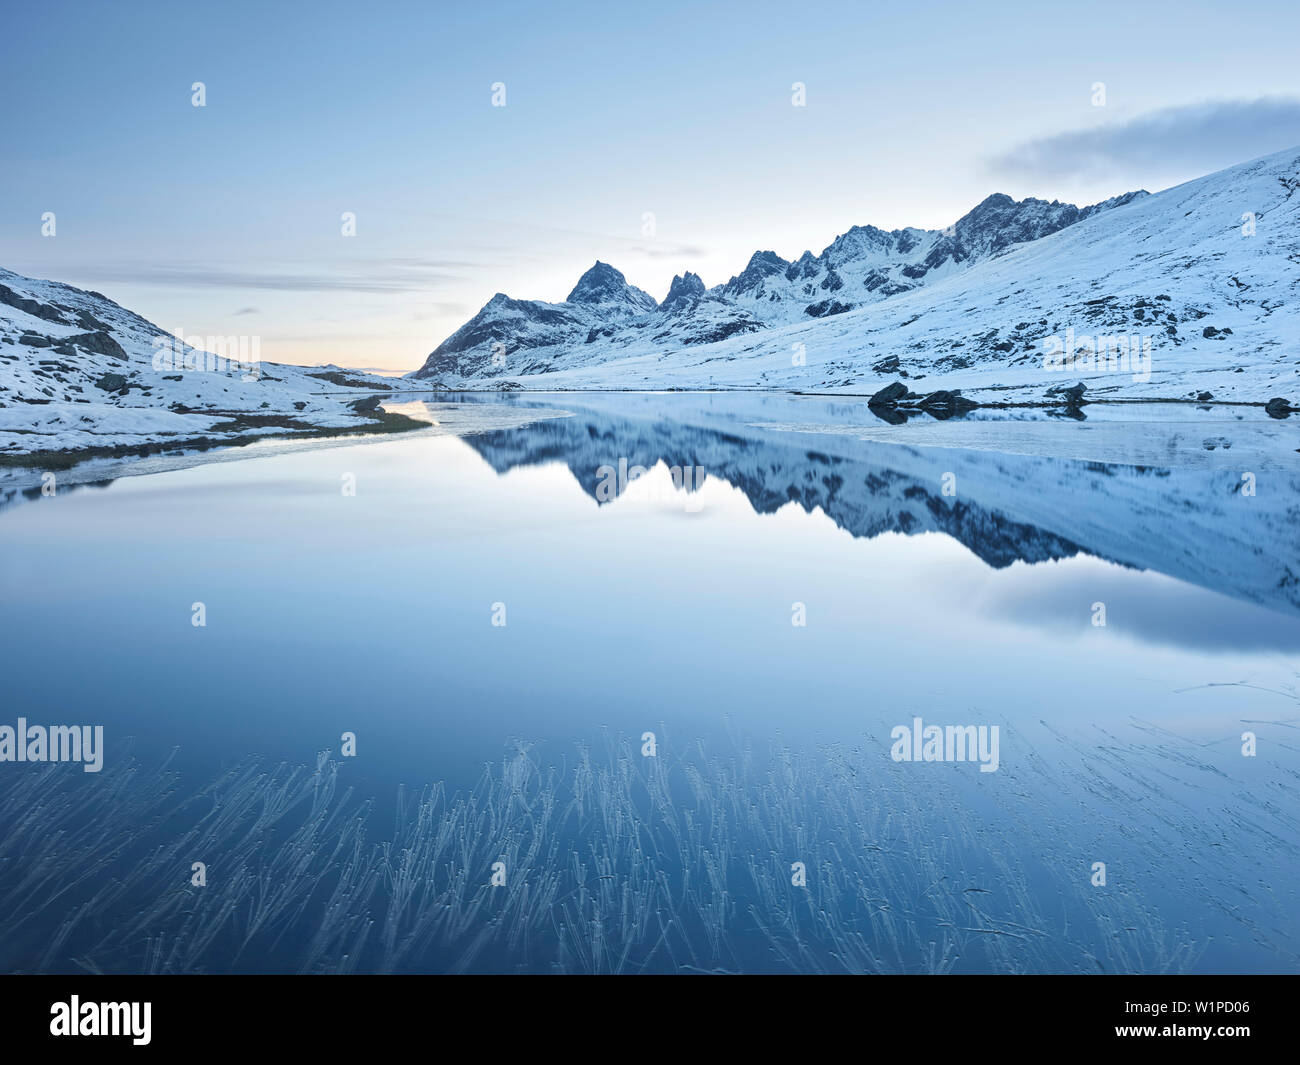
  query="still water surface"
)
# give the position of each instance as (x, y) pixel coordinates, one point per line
(962, 585)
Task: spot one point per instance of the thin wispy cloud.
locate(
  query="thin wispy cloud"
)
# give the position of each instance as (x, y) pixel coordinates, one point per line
(1191, 139)
(435, 310)
(669, 251)
(385, 276)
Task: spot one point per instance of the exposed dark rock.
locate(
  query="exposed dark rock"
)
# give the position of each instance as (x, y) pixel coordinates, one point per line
(889, 395)
(89, 322)
(722, 331)
(1072, 396)
(99, 343)
(826, 308)
(946, 403)
(32, 307)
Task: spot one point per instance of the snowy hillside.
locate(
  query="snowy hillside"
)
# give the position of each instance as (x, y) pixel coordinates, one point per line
(1198, 283)
(79, 372)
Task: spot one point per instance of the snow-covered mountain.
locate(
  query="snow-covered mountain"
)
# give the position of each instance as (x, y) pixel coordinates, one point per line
(601, 300)
(80, 373)
(861, 267)
(1201, 278)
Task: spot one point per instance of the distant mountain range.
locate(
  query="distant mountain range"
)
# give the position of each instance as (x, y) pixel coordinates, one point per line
(861, 267)
(1203, 275)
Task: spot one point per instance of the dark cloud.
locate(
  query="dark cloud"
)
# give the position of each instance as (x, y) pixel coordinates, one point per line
(1177, 142)
(247, 310)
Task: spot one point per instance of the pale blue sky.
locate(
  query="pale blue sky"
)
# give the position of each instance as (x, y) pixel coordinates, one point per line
(226, 219)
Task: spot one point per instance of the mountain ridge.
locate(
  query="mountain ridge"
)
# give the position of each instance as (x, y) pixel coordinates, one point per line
(899, 260)
(1201, 277)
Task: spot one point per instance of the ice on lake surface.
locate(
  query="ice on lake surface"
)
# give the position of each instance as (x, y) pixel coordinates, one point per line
(947, 571)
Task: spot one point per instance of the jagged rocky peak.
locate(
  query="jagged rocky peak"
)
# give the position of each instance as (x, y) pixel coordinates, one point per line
(807, 265)
(998, 221)
(859, 242)
(994, 201)
(602, 284)
(762, 265)
(686, 290)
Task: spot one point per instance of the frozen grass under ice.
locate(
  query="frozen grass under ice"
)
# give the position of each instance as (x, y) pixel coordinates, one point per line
(619, 863)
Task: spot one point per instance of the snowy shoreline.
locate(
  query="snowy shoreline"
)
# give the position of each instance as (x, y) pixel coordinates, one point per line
(267, 426)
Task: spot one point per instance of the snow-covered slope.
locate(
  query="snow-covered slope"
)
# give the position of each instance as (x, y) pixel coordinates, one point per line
(79, 372)
(1203, 276)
